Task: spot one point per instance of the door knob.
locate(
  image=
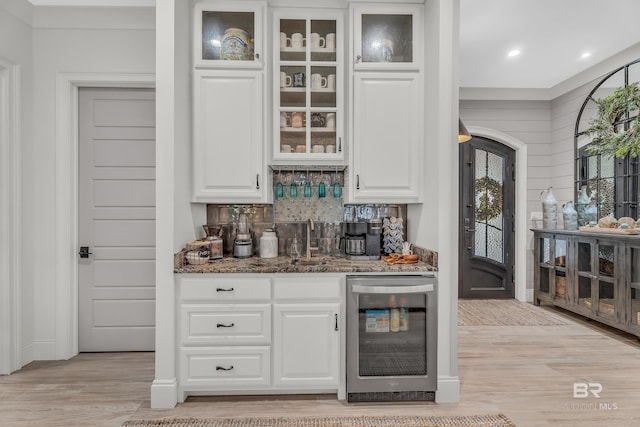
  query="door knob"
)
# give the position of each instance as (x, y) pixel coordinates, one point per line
(84, 252)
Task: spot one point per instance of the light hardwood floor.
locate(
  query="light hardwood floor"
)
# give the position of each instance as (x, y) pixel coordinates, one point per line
(525, 372)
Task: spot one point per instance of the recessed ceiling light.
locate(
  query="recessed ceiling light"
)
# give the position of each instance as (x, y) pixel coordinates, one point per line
(514, 52)
(585, 55)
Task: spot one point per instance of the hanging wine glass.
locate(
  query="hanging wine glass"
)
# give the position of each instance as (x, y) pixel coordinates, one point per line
(307, 186)
(279, 186)
(337, 189)
(322, 190)
(293, 188)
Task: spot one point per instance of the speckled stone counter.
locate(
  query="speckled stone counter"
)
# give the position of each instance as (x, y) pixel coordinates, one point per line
(321, 264)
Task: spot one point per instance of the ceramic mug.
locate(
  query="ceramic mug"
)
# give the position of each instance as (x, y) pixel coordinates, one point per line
(285, 148)
(331, 120)
(330, 41)
(299, 79)
(317, 42)
(331, 81)
(284, 40)
(297, 119)
(331, 148)
(297, 40)
(317, 148)
(285, 120)
(318, 81)
(285, 80)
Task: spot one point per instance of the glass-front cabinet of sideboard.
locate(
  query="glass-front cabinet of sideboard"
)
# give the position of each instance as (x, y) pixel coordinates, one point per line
(593, 274)
(551, 266)
(633, 272)
(308, 87)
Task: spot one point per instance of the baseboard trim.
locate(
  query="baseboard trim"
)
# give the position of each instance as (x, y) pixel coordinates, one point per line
(164, 394)
(448, 390)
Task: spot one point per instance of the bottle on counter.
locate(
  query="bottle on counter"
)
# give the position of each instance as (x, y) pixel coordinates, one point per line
(394, 315)
(404, 315)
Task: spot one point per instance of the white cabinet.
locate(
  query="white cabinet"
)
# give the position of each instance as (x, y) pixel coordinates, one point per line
(307, 328)
(387, 135)
(228, 34)
(387, 109)
(386, 37)
(224, 334)
(228, 160)
(306, 338)
(308, 81)
(229, 96)
(260, 333)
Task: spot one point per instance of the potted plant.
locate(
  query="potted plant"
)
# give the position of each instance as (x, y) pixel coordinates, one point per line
(615, 131)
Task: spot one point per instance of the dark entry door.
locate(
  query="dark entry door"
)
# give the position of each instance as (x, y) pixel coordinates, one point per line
(487, 208)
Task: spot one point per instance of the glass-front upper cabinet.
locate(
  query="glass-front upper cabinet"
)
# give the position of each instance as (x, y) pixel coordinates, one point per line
(229, 34)
(308, 95)
(387, 37)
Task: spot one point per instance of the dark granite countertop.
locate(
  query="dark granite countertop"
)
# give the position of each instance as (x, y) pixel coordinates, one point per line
(320, 264)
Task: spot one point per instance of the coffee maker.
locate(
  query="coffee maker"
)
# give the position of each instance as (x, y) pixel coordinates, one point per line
(362, 240)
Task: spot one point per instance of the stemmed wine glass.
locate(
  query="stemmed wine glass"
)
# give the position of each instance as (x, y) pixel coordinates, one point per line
(337, 189)
(279, 186)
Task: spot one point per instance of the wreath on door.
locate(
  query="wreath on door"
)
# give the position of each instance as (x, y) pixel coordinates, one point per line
(489, 198)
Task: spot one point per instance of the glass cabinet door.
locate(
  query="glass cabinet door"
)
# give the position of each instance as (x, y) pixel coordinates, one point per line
(386, 38)
(228, 35)
(307, 89)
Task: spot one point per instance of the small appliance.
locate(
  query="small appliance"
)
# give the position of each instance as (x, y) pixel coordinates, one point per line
(243, 243)
(362, 240)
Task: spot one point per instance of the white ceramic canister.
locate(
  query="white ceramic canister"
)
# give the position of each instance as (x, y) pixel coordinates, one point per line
(268, 244)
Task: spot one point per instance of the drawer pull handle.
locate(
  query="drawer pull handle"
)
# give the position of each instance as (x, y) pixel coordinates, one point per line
(221, 368)
(224, 290)
(222, 325)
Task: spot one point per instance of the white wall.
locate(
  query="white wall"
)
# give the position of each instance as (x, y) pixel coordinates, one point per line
(16, 50)
(67, 40)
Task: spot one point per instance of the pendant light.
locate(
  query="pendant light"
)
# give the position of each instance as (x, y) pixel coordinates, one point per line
(463, 133)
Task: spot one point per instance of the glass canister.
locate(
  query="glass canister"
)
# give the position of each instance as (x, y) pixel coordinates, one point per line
(216, 247)
(569, 216)
(268, 244)
(549, 209)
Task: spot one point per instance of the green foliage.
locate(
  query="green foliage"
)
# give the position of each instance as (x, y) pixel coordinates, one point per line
(607, 130)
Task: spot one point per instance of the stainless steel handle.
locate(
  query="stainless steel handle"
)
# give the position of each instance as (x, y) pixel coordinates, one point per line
(411, 289)
(222, 325)
(224, 290)
(221, 368)
(358, 58)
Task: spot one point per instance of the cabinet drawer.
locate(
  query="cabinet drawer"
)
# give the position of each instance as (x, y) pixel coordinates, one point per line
(229, 367)
(225, 290)
(306, 288)
(207, 324)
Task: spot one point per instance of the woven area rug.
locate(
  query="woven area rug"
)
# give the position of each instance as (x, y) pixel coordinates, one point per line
(487, 420)
(511, 312)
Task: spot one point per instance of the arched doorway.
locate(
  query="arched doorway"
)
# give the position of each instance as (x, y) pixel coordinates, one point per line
(487, 220)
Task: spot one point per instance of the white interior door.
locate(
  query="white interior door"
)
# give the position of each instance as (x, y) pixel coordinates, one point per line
(116, 219)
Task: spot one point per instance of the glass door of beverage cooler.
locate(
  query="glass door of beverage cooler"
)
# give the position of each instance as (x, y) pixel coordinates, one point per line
(391, 334)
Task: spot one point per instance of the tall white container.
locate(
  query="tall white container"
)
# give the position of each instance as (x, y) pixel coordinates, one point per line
(268, 244)
(549, 210)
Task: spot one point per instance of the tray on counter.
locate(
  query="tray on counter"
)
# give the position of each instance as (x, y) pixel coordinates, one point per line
(628, 231)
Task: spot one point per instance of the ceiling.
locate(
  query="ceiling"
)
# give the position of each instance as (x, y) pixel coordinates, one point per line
(551, 36)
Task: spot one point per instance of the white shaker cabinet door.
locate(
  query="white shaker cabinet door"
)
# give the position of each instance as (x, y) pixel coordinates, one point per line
(388, 122)
(306, 346)
(228, 164)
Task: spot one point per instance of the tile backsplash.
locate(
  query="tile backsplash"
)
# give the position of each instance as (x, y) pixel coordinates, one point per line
(298, 197)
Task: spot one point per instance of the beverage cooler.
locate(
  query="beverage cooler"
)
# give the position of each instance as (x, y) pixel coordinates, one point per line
(391, 338)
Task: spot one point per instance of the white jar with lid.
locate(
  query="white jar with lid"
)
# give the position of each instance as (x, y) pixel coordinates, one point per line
(268, 244)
